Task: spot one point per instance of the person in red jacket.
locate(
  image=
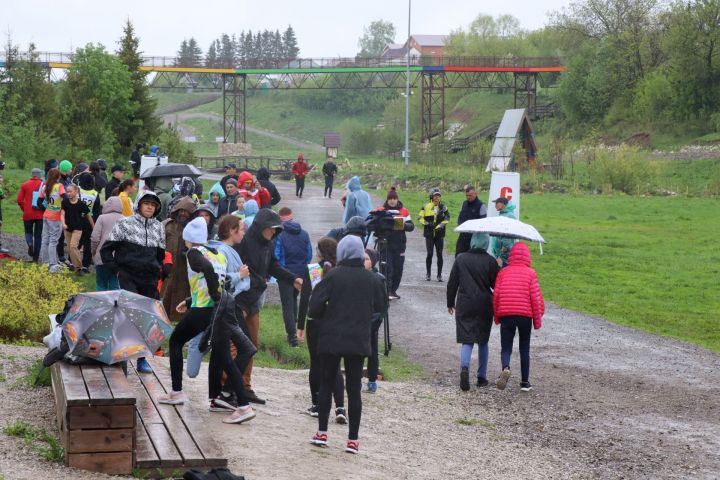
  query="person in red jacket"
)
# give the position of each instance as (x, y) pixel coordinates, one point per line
(300, 170)
(250, 188)
(517, 304)
(32, 217)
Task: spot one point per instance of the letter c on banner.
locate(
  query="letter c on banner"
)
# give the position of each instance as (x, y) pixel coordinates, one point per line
(506, 192)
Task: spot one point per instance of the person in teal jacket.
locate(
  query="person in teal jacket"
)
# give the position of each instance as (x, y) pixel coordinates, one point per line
(215, 194)
(501, 246)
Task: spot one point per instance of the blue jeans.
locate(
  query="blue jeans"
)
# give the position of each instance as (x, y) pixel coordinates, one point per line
(507, 335)
(194, 357)
(466, 354)
(105, 279)
(33, 236)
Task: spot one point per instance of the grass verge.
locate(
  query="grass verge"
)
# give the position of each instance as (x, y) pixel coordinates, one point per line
(37, 439)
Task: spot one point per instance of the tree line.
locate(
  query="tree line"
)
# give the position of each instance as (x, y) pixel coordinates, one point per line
(245, 49)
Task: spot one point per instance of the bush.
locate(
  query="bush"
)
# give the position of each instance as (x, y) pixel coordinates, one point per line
(30, 294)
(359, 139)
(625, 170)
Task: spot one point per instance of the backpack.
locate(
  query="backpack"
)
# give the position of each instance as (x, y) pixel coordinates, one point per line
(36, 204)
(218, 473)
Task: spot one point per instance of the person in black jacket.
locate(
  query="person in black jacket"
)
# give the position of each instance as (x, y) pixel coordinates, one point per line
(394, 256)
(117, 178)
(343, 304)
(472, 279)
(230, 173)
(471, 209)
(257, 252)
(329, 170)
(136, 159)
(263, 176)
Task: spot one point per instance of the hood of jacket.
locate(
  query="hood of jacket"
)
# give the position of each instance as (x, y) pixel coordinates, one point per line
(350, 248)
(263, 174)
(520, 255)
(112, 205)
(185, 203)
(265, 218)
(480, 241)
(508, 211)
(244, 177)
(148, 195)
(354, 184)
(250, 208)
(292, 227)
(217, 188)
(163, 185)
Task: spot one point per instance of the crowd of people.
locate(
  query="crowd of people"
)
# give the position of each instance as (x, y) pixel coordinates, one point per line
(210, 260)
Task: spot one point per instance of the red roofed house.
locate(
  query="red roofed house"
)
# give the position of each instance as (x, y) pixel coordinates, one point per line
(429, 45)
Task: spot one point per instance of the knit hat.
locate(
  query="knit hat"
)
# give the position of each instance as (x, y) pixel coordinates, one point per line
(301, 156)
(231, 181)
(350, 247)
(65, 166)
(36, 173)
(480, 241)
(374, 256)
(392, 193)
(196, 231)
(81, 167)
(356, 226)
(102, 164)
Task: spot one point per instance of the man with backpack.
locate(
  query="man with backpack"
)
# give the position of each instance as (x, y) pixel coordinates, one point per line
(32, 216)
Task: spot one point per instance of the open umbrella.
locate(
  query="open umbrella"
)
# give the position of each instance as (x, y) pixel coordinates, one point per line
(502, 227)
(114, 326)
(171, 170)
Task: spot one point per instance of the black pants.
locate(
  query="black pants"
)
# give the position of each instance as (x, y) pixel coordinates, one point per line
(192, 324)
(147, 287)
(85, 245)
(328, 185)
(221, 361)
(353, 383)
(33, 236)
(394, 266)
(61, 245)
(289, 302)
(507, 335)
(373, 362)
(299, 185)
(437, 244)
(316, 369)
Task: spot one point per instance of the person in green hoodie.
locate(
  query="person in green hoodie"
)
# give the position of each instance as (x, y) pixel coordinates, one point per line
(501, 246)
(215, 194)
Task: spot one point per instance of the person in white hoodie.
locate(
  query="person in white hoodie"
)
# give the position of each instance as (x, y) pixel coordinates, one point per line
(111, 214)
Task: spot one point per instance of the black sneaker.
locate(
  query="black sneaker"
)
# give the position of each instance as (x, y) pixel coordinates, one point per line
(482, 382)
(30, 251)
(427, 278)
(525, 386)
(340, 416)
(253, 398)
(394, 296)
(464, 380)
(223, 404)
(439, 278)
(312, 411)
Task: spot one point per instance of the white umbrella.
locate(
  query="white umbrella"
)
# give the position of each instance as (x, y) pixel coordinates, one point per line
(502, 227)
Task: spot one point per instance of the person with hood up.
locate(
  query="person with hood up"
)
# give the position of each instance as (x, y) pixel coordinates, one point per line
(251, 189)
(434, 216)
(501, 246)
(357, 202)
(300, 170)
(32, 216)
(343, 304)
(111, 214)
(469, 298)
(250, 209)
(263, 176)
(355, 226)
(396, 243)
(293, 249)
(518, 305)
(99, 175)
(215, 194)
(228, 204)
(176, 287)
(257, 252)
(206, 212)
(472, 208)
(163, 187)
(135, 250)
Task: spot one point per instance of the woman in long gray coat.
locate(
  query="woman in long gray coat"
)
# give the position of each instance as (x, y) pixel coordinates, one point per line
(472, 279)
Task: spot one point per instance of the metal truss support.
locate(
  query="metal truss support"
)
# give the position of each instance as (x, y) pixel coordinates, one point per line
(525, 92)
(233, 90)
(432, 104)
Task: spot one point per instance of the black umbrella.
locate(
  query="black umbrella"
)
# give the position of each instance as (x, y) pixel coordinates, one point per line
(171, 170)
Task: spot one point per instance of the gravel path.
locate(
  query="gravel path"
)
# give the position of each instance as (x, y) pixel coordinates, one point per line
(609, 402)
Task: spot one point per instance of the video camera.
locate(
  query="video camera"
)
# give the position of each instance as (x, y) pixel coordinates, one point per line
(384, 222)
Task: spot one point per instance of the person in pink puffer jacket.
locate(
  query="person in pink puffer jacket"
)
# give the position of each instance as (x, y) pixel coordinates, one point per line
(517, 304)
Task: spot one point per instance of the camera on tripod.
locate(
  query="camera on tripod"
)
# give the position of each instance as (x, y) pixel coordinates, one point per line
(383, 222)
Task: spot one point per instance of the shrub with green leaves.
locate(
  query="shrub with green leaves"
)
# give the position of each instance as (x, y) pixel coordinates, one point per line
(624, 170)
(29, 295)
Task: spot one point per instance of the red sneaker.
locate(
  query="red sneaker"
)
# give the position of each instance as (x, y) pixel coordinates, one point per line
(319, 439)
(352, 446)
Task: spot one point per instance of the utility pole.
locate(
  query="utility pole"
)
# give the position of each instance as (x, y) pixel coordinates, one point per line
(406, 152)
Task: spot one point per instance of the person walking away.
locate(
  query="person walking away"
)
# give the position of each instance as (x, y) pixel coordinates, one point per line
(52, 195)
(396, 243)
(136, 159)
(102, 177)
(501, 246)
(518, 305)
(329, 170)
(99, 176)
(373, 364)
(32, 216)
(206, 272)
(472, 208)
(175, 287)
(111, 214)
(116, 179)
(65, 168)
(230, 173)
(73, 216)
(251, 189)
(357, 203)
(293, 250)
(326, 251)
(125, 190)
(300, 170)
(343, 304)
(263, 176)
(2, 197)
(135, 251)
(257, 252)
(215, 194)
(249, 209)
(434, 216)
(228, 204)
(469, 298)
(89, 195)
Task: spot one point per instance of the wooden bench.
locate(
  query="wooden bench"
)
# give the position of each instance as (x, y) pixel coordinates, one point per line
(113, 424)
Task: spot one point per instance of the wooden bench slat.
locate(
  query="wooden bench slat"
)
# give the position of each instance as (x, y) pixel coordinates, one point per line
(119, 384)
(97, 386)
(73, 384)
(145, 454)
(101, 416)
(167, 453)
(93, 441)
(113, 463)
(143, 403)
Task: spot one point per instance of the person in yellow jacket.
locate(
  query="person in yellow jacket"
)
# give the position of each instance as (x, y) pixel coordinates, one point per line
(125, 190)
(434, 216)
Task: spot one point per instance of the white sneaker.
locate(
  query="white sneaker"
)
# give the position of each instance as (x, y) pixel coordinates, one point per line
(240, 415)
(172, 398)
(502, 380)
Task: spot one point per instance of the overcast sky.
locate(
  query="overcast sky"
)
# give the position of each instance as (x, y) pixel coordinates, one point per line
(324, 28)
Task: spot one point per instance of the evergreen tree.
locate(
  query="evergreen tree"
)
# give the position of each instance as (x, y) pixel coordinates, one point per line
(182, 57)
(143, 122)
(211, 57)
(290, 44)
(258, 47)
(278, 50)
(194, 53)
(226, 52)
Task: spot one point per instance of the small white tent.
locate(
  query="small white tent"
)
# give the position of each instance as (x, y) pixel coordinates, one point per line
(515, 125)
